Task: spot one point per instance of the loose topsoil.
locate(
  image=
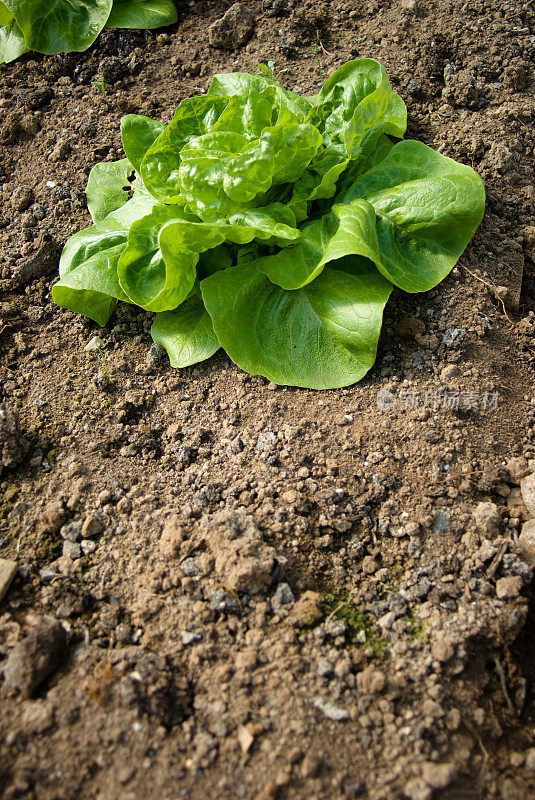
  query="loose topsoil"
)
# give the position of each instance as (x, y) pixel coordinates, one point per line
(268, 592)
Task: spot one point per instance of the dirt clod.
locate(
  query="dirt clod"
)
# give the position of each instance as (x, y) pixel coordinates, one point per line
(36, 656)
(487, 519)
(39, 265)
(243, 561)
(13, 446)
(307, 610)
(438, 776)
(233, 29)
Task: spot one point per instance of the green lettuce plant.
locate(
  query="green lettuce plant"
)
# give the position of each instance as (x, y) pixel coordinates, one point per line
(72, 25)
(272, 225)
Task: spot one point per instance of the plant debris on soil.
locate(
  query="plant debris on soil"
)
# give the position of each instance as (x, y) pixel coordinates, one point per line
(227, 588)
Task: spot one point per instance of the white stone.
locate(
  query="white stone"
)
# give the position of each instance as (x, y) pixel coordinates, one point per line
(8, 570)
(94, 344)
(527, 487)
(526, 540)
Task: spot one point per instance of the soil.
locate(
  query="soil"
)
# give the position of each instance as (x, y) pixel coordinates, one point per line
(270, 592)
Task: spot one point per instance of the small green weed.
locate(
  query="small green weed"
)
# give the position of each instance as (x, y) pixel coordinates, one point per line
(416, 625)
(100, 85)
(105, 363)
(268, 70)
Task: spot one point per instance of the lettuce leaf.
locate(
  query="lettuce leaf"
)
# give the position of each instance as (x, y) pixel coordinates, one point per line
(186, 333)
(322, 336)
(73, 25)
(144, 14)
(61, 25)
(12, 44)
(428, 208)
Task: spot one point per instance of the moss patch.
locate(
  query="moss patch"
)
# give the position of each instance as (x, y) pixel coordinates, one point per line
(337, 603)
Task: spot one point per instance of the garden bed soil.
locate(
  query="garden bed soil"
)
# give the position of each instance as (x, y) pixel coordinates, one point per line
(270, 592)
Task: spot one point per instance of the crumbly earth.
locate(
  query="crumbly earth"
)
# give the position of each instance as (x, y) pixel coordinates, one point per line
(270, 592)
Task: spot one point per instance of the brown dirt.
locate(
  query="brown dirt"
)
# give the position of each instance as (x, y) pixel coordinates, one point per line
(186, 675)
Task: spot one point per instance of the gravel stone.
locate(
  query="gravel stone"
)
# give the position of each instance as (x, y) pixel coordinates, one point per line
(72, 531)
(91, 527)
(47, 574)
(88, 546)
(190, 637)
(526, 540)
(94, 344)
(189, 567)
(184, 454)
(335, 713)
(220, 600)
(441, 523)
(453, 337)
(71, 549)
(282, 598)
(266, 441)
(527, 487)
(513, 565)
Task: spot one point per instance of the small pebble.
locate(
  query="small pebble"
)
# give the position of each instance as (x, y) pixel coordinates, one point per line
(189, 637)
(91, 527)
(335, 713)
(72, 530)
(282, 599)
(47, 574)
(71, 549)
(88, 546)
(94, 344)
